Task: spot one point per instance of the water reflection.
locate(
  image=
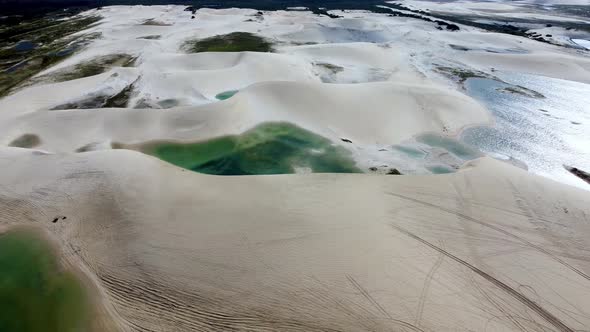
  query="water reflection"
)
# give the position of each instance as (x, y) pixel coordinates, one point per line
(545, 133)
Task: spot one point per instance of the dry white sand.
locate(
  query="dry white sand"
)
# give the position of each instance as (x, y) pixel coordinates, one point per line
(490, 248)
(390, 112)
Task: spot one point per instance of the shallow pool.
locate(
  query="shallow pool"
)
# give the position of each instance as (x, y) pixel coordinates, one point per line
(226, 94)
(36, 294)
(270, 148)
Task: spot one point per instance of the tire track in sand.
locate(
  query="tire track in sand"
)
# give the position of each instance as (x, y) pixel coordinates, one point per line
(550, 318)
(497, 229)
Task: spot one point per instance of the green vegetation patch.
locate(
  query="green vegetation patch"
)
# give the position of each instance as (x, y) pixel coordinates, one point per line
(327, 71)
(521, 90)
(36, 294)
(154, 22)
(270, 148)
(88, 68)
(53, 44)
(152, 37)
(232, 42)
(329, 66)
(26, 141)
(118, 100)
(121, 99)
(461, 74)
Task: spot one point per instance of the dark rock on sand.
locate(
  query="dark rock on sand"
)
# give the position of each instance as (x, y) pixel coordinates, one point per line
(26, 141)
(452, 27)
(578, 172)
(393, 171)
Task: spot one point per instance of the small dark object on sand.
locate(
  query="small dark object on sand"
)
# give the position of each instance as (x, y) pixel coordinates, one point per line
(373, 169)
(578, 172)
(58, 218)
(193, 17)
(346, 140)
(393, 171)
(548, 35)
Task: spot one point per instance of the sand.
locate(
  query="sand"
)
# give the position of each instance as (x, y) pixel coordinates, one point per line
(330, 110)
(488, 248)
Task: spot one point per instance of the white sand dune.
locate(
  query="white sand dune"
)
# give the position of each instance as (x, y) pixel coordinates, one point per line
(391, 112)
(207, 74)
(357, 62)
(43, 97)
(174, 250)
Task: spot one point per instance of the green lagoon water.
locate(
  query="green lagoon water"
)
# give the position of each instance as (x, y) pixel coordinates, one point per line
(455, 147)
(270, 148)
(440, 169)
(226, 94)
(410, 151)
(35, 295)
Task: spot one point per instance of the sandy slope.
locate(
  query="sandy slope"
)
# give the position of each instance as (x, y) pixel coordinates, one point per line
(391, 112)
(180, 76)
(44, 97)
(176, 250)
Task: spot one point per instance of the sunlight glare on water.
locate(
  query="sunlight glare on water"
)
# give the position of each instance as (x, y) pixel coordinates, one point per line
(545, 133)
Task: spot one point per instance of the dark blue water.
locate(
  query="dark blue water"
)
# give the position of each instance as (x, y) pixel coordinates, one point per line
(24, 46)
